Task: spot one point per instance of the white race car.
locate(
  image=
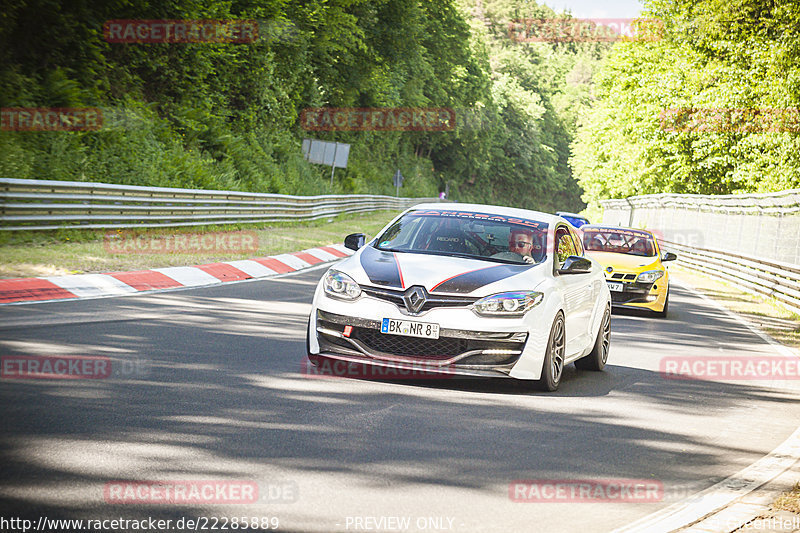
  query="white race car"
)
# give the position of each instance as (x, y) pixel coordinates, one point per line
(463, 289)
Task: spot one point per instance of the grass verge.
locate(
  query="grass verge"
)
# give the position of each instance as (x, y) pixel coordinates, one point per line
(789, 501)
(30, 254)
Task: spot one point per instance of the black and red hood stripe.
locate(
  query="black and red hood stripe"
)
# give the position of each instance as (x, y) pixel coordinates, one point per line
(382, 268)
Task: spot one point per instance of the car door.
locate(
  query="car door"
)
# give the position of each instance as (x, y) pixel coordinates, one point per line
(593, 285)
(576, 292)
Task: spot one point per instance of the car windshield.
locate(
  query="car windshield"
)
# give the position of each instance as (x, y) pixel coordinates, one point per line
(467, 234)
(621, 241)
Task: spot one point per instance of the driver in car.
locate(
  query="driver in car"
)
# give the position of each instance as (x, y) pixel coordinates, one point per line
(521, 241)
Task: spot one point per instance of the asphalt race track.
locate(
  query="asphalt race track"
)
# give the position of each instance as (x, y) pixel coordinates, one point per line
(209, 384)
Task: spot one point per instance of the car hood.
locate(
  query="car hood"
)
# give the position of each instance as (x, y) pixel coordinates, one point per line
(626, 263)
(438, 274)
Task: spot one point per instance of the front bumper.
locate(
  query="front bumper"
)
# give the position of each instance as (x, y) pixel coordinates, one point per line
(456, 351)
(651, 296)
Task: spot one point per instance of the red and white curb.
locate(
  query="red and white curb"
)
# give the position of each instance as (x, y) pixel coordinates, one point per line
(24, 290)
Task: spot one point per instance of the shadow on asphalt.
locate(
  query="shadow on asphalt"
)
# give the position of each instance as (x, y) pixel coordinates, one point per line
(214, 385)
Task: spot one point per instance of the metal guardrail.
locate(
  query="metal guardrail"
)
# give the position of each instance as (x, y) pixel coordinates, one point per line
(45, 204)
(757, 225)
(750, 240)
(770, 278)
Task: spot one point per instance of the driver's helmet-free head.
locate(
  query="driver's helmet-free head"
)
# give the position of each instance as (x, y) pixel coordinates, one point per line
(641, 247)
(521, 241)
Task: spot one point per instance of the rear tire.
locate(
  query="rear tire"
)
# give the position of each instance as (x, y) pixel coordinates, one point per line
(596, 359)
(553, 366)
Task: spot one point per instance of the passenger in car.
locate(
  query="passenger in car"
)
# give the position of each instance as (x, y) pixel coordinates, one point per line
(641, 247)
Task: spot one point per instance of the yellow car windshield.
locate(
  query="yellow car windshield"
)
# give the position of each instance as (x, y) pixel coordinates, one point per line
(619, 242)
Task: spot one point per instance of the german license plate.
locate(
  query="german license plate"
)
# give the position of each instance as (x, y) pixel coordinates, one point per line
(614, 286)
(424, 330)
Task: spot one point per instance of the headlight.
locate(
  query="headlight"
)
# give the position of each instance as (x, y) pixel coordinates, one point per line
(650, 277)
(508, 304)
(340, 285)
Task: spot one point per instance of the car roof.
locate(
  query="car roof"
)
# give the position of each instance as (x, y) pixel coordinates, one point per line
(494, 209)
(568, 214)
(615, 228)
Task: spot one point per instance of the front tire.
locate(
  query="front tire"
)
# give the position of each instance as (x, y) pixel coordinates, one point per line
(553, 366)
(596, 359)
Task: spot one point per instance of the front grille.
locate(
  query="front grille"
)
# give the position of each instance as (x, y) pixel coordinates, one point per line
(626, 277)
(441, 348)
(365, 337)
(625, 298)
(396, 297)
(632, 293)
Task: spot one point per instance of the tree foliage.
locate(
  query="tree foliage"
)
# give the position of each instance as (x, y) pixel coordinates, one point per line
(721, 58)
(226, 116)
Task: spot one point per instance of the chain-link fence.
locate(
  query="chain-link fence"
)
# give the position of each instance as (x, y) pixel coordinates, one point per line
(765, 226)
(751, 240)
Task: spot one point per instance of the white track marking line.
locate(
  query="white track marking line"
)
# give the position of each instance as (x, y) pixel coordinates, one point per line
(716, 497)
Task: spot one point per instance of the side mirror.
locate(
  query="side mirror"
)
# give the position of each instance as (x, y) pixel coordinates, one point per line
(354, 241)
(669, 256)
(576, 264)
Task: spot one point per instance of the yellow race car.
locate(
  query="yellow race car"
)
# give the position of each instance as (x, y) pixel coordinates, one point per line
(632, 262)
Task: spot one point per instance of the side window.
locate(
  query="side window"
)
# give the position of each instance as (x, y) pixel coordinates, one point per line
(577, 241)
(565, 246)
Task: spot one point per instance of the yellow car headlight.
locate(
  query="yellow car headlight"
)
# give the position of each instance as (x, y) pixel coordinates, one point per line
(650, 276)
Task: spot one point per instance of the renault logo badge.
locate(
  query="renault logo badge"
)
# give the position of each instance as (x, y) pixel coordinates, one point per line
(415, 298)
